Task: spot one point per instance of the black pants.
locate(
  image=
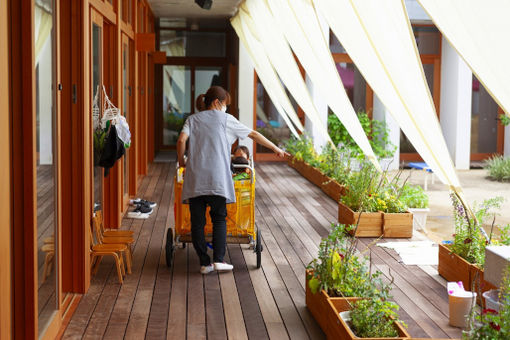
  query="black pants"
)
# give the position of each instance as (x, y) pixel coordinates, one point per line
(218, 212)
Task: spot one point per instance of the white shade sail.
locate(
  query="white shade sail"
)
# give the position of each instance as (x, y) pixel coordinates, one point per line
(296, 19)
(479, 31)
(378, 37)
(257, 18)
(267, 76)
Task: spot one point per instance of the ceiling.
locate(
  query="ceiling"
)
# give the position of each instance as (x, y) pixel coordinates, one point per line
(221, 9)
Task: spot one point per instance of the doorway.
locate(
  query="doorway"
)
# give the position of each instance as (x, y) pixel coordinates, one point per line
(181, 85)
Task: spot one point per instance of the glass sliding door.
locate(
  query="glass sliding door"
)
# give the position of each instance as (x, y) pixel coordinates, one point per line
(177, 101)
(96, 68)
(46, 164)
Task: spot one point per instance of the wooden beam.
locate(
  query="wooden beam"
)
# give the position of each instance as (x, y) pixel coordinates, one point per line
(145, 42)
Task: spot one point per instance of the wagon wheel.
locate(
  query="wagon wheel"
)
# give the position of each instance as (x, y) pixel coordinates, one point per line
(169, 248)
(258, 249)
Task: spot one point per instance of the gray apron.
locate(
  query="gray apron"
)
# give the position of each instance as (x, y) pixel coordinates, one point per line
(208, 165)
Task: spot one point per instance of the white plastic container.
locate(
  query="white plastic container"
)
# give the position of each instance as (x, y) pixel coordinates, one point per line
(460, 306)
(492, 299)
(419, 218)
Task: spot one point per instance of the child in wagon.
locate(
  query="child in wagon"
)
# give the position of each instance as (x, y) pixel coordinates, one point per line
(241, 156)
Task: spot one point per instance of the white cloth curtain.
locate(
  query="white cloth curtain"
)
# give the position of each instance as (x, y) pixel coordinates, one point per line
(43, 25)
(479, 31)
(301, 27)
(261, 24)
(267, 76)
(378, 37)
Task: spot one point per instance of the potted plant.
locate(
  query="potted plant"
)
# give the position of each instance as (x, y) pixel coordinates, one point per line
(372, 318)
(463, 258)
(372, 202)
(324, 170)
(491, 324)
(417, 202)
(338, 278)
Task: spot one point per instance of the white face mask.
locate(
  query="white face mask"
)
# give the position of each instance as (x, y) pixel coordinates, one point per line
(223, 108)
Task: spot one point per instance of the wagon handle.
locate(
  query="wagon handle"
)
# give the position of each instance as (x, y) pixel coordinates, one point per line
(245, 166)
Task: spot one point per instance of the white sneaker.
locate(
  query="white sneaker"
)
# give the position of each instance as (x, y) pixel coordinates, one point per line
(223, 267)
(206, 269)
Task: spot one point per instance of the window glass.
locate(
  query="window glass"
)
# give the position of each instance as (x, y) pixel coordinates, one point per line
(428, 39)
(484, 123)
(176, 101)
(192, 44)
(354, 85)
(269, 122)
(45, 149)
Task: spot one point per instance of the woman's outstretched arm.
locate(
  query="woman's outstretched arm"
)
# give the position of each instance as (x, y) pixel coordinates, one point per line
(259, 138)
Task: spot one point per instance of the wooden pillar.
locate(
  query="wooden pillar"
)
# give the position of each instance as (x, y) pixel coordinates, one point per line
(5, 180)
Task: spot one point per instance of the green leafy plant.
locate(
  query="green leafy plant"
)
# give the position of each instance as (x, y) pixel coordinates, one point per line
(413, 196)
(498, 168)
(341, 272)
(376, 131)
(491, 324)
(468, 240)
(374, 318)
(505, 120)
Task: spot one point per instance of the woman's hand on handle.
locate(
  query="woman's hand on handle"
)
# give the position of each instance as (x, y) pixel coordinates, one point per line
(260, 139)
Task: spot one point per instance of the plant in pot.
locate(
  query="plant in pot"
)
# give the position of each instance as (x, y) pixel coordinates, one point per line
(491, 324)
(372, 318)
(417, 202)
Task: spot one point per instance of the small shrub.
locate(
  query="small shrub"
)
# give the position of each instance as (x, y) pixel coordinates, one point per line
(374, 318)
(413, 196)
(498, 168)
(376, 131)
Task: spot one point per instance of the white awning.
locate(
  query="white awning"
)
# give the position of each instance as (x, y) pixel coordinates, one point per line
(378, 37)
(259, 21)
(297, 20)
(267, 76)
(480, 32)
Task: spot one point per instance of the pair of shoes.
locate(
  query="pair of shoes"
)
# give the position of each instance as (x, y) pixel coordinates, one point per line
(143, 208)
(218, 266)
(137, 201)
(137, 215)
(206, 269)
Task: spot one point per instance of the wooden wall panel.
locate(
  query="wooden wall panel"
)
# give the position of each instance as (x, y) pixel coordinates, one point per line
(5, 180)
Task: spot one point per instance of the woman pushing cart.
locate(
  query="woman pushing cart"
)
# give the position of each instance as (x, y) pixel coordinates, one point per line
(207, 184)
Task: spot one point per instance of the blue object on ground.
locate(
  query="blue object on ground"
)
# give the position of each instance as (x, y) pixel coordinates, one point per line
(420, 166)
(274, 123)
(447, 242)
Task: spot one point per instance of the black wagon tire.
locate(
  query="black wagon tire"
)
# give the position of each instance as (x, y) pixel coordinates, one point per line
(169, 247)
(258, 249)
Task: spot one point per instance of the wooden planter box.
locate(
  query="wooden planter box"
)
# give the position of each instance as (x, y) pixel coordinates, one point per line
(326, 309)
(454, 268)
(343, 331)
(327, 184)
(375, 224)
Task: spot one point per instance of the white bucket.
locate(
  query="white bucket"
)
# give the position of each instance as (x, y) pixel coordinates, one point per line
(460, 307)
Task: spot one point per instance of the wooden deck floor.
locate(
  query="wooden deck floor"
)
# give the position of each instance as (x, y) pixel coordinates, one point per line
(157, 303)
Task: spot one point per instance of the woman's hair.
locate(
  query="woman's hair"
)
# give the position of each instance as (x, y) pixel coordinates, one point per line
(204, 101)
(243, 149)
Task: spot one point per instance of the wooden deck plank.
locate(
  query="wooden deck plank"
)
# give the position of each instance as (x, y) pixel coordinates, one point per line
(215, 318)
(234, 319)
(196, 308)
(176, 327)
(272, 318)
(254, 322)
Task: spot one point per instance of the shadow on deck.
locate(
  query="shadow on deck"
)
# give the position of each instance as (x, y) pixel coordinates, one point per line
(157, 303)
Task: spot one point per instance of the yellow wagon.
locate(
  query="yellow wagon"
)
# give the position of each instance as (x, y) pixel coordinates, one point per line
(241, 227)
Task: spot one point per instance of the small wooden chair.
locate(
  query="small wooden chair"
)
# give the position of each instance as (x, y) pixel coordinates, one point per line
(49, 249)
(112, 232)
(100, 250)
(106, 240)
